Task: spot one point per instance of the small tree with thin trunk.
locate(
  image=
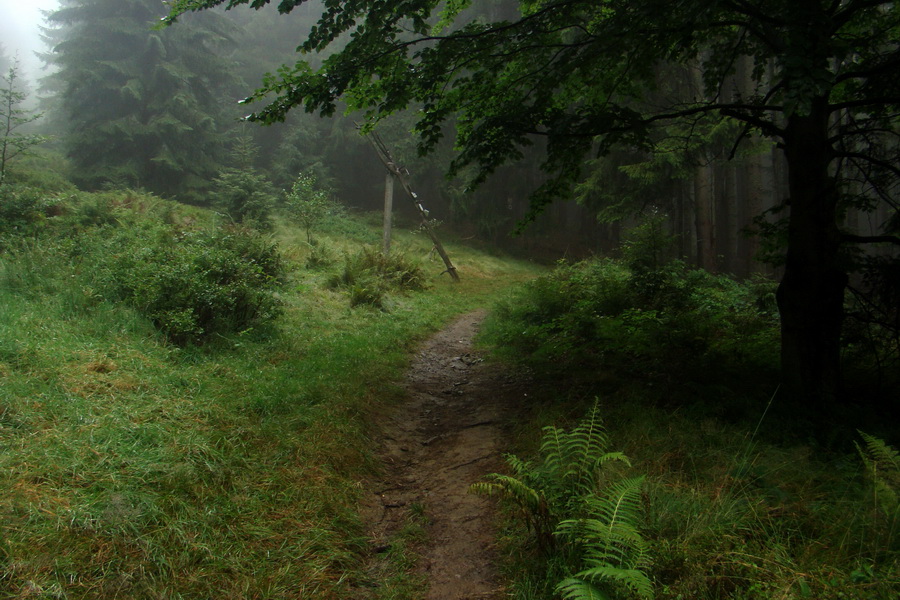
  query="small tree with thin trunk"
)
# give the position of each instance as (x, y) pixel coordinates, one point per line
(13, 117)
(307, 204)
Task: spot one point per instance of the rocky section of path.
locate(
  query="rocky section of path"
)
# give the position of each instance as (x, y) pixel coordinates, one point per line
(448, 435)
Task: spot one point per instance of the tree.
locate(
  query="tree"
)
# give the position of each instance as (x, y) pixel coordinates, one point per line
(13, 117)
(582, 75)
(241, 191)
(141, 107)
(307, 203)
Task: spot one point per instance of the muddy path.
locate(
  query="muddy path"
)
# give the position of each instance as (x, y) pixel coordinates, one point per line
(448, 434)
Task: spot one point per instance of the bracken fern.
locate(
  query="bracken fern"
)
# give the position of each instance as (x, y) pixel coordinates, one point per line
(560, 502)
(882, 464)
(612, 548)
(559, 485)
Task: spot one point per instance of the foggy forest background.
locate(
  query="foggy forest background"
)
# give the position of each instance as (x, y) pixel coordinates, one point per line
(158, 110)
(199, 329)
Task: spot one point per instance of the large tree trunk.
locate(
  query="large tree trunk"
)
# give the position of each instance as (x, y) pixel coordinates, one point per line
(810, 297)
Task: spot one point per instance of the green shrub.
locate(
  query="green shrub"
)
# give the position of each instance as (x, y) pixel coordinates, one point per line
(308, 203)
(193, 285)
(245, 196)
(24, 211)
(601, 313)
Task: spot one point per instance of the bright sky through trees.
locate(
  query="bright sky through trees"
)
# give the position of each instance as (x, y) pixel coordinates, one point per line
(19, 22)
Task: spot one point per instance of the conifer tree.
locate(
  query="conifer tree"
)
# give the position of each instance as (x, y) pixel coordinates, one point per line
(4, 59)
(142, 107)
(13, 141)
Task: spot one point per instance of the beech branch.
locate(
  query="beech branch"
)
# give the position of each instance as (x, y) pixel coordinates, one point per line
(870, 239)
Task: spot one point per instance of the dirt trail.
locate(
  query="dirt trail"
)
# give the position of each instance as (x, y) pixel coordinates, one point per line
(448, 434)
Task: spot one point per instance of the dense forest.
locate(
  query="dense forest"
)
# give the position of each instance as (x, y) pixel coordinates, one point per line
(681, 216)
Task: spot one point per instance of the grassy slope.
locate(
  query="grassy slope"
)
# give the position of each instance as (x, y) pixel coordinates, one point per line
(131, 468)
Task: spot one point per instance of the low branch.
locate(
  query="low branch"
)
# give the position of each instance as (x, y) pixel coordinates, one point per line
(853, 8)
(870, 239)
(863, 102)
(890, 167)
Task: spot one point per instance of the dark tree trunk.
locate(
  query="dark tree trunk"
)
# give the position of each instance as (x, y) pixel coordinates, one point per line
(810, 297)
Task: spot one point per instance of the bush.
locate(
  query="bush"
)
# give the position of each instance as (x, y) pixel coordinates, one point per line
(24, 210)
(309, 203)
(655, 322)
(193, 285)
(246, 197)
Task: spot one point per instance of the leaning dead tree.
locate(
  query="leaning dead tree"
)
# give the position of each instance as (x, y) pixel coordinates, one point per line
(396, 172)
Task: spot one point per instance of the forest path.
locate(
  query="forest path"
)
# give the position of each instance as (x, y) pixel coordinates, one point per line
(448, 434)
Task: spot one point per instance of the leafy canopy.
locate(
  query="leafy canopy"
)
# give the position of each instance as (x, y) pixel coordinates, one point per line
(579, 72)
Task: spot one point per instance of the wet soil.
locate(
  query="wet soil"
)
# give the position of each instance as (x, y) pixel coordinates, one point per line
(448, 434)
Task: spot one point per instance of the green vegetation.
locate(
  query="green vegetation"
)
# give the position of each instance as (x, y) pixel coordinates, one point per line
(186, 394)
(742, 497)
(138, 107)
(584, 521)
(655, 321)
(368, 275)
(691, 82)
(191, 284)
(308, 203)
(136, 467)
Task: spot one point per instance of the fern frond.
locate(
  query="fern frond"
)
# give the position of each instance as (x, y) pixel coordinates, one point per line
(620, 504)
(883, 471)
(553, 446)
(588, 443)
(576, 589)
(619, 456)
(603, 538)
(511, 488)
(636, 581)
(877, 451)
(610, 538)
(520, 467)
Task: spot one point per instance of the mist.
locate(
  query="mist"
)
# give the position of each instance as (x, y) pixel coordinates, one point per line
(20, 32)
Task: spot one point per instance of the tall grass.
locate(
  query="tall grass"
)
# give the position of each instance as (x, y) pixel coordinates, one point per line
(134, 468)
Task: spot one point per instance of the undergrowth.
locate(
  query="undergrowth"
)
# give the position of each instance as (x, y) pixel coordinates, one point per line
(669, 325)
(368, 275)
(741, 500)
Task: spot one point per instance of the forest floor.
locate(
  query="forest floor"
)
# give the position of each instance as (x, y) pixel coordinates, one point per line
(447, 434)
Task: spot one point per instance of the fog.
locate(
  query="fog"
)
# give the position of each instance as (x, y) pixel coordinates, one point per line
(20, 34)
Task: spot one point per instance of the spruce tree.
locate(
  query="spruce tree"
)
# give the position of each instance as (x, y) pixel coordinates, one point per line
(142, 107)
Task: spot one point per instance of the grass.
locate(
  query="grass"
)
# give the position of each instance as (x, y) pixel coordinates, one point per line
(728, 514)
(133, 468)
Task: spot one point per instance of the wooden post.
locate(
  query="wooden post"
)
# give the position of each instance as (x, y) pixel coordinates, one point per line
(398, 172)
(388, 210)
